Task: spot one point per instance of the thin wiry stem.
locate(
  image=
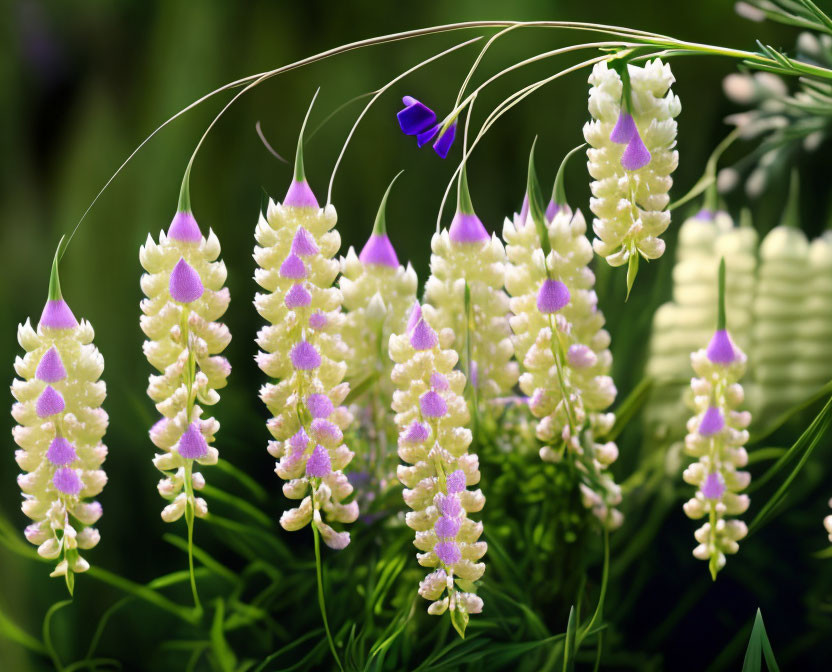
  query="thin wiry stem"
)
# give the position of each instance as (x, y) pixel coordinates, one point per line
(321, 600)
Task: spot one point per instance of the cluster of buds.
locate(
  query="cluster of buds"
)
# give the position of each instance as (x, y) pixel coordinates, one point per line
(465, 294)
(685, 322)
(562, 346)
(431, 415)
(59, 431)
(632, 138)
(716, 438)
(302, 349)
(183, 284)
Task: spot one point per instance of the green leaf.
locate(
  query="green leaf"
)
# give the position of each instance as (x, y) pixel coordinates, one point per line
(15, 633)
(459, 619)
(758, 644)
(223, 653)
(569, 649)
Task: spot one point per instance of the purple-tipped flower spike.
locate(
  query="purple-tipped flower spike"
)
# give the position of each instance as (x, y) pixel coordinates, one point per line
(378, 249)
(466, 227)
(192, 444)
(636, 155)
(721, 349)
(319, 405)
(302, 244)
(61, 452)
(297, 297)
(712, 422)
(553, 209)
(67, 482)
(318, 465)
(304, 356)
(432, 405)
(50, 368)
(714, 486)
(524, 209)
(415, 316)
(185, 283)
(423, 336)
(50, 402)
(416, 117)
(57, 315)
(625, 128)
(293, 268)
(300, 193)
(553, 296)
(184, 228)
(443, 143)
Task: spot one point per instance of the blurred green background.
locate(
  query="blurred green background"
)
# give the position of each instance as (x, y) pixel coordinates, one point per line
(82, 83)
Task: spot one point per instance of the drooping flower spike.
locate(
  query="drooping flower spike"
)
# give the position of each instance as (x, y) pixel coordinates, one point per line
(183, 284)
(431, 415)
(378, 294)
(716, 437)
(59, 431)
(419, 120)
(302, 349)
(465, 294)
(561, 345)
(632, 138)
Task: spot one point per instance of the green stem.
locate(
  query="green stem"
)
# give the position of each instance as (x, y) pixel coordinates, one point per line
(47, 636)
(605, 575)
(189, 519)
(321, 600)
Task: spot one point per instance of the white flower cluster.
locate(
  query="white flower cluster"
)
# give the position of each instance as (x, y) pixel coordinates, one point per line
(183, 284)
(564, 350)
(629, 204)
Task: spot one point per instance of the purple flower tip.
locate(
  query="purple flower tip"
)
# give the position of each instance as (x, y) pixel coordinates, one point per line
(636, 155)
(438, 381)
(625, 129)
(299, 441)
(318, 464)
(721, 349)
(446, 528)
(300, 196)
(184, 228)
(580, 356)
(416, 117)
(61, 452)
(443, 143)
(319, 405)
(324, 429)
(304, 356)
(553, 209)
(297, 297)
(553, 296)
(51, 368)
(712, 422)
(467, 228)
(455, 481)
(50, 402)
(185, 284)
(432, 404)
(524, 210)
(423, 337)
(473, 374)
(417, 432)
(415, 316)
(303, 244)
(705, 214)
(67, 481)
(192, 444)
(292, 268)
(317, 320)
(447, 552)
(425, 137)
(379, 250)
(713, 487)
(449, 505)
(57, 315)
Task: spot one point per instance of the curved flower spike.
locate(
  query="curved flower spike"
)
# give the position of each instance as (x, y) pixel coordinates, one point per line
(59, 431)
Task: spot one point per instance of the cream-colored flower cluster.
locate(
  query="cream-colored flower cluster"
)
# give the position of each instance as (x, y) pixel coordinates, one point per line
(302, 349)
(629, 204)
(564, 350)
(480, 265)
(716, 438)
(815, 328)
(183, 284)
(431, 414)
(682, 324)
(59, 431)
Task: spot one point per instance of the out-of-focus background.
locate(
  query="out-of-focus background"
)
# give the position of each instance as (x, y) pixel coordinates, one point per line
(82, 83)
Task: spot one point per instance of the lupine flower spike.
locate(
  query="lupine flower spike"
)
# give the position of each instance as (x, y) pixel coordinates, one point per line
(632, 138)
(562, 347)
(716, 437)
(465, 294)
(301, 347)
(419, 120)
(431, 415)
(378, 295)
(59, 431)
(183, 284)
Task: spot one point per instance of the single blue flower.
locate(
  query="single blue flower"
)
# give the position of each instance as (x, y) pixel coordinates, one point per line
(416, 117)
(443, 143)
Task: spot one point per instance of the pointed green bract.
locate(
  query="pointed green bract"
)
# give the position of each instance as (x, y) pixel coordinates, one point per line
(380, 225)
(558, 191)
(791, 214)
(54, 277)
(632, 272)
(463, 200)
(299, 173)
(184, 204)
(537, 208)
(720, 319)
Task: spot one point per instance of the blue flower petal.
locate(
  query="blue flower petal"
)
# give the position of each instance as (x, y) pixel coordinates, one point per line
(416, 117)
(443, 143)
